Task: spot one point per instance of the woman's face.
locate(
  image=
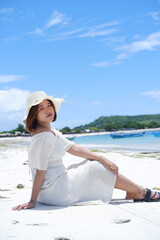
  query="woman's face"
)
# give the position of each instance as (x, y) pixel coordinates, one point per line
(46, 112)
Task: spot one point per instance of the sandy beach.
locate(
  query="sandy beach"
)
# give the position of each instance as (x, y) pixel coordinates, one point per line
(121, 219)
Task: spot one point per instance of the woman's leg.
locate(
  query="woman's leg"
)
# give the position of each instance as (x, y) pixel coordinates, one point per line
(132, 189)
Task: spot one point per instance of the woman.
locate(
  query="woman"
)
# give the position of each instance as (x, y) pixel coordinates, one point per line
(93, 179)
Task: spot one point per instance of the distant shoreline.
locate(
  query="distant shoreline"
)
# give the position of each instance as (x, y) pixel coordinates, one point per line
(11, 135)
(105, 133)
(8, 135)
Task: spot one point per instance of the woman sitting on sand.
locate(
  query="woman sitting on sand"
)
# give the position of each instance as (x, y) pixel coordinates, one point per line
(53, 184)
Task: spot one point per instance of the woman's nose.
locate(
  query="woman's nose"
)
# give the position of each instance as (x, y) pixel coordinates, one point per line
(47, 110)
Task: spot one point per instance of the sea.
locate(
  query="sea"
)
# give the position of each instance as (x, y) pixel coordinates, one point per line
(102, 142)
(146, 143)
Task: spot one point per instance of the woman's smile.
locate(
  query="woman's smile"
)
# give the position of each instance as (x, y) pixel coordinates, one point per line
(50, 115)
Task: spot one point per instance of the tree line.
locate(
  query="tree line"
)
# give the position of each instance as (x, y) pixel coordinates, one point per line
(113, 123)
(104, 123)
(19, 129)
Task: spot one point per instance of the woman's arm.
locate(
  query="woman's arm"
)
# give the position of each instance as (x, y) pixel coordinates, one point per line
(86, 153)
(38, 180)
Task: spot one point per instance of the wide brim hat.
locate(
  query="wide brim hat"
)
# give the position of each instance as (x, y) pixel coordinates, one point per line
(38, 97)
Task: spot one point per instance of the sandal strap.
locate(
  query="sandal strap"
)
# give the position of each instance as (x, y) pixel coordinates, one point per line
(156, 193)
(148, 194)
(148, 197)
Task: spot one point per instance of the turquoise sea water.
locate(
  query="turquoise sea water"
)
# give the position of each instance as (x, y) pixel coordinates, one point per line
(148, 142)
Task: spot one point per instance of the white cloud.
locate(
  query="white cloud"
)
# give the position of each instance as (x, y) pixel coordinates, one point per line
(136, 36)
(101, 64)
(95, 33)
(6, 11)
(112, 23)
(11, 39)
(37, 31)
(57, 18)
(152, 94)
(150, 43)
(11, 78)
(73, 29)
(100, 30)
(98, 103)
(106, 63)
(122, 56)
(12, 100)
(155, 15)
(113, 40)
(64, 35)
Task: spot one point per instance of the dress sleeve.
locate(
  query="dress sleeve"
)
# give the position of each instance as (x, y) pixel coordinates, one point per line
(66, 143)
(40, 152)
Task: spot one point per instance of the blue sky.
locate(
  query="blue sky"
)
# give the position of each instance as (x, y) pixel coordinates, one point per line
(101, 56)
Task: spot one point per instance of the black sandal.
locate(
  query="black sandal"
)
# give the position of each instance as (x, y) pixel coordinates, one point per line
(148, 197)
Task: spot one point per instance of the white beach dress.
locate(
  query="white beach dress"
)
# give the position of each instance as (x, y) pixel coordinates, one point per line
(88, 181)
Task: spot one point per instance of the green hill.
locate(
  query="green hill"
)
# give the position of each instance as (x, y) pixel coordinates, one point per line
(111, 123)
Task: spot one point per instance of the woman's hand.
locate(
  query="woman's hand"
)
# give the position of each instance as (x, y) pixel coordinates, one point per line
(109, 165)
(24, 206)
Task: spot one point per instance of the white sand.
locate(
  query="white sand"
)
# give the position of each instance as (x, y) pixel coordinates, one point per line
(119, 220)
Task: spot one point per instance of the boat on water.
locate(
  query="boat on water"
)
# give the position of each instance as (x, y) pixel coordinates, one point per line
(127, 134)
(156, 134)
(70, 138)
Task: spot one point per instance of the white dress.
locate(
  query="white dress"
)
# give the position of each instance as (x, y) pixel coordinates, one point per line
(88, 181)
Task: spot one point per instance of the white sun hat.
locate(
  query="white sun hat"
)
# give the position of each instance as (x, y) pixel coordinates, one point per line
(37, 97)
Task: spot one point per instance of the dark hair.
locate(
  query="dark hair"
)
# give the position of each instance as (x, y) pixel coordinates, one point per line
(31, 121)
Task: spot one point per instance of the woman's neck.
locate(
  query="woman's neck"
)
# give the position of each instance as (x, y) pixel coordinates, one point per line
(42, 128)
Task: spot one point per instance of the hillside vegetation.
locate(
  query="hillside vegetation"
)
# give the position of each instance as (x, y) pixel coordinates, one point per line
(112, 123)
